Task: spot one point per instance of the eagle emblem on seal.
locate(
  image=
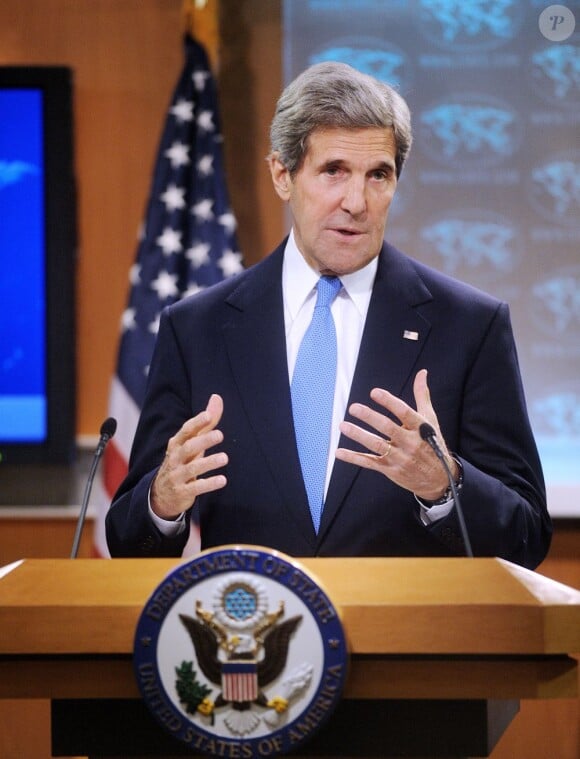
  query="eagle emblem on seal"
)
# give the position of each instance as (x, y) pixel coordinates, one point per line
(242, 648)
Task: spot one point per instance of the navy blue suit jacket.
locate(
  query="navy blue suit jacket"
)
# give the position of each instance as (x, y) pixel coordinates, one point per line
(230, 340)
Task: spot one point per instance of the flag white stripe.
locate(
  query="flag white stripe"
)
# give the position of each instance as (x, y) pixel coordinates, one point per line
(126, 412)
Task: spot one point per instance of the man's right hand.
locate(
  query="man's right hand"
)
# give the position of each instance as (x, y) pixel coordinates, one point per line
(181, 476)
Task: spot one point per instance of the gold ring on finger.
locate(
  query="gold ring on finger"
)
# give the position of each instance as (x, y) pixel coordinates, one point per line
(387, 451)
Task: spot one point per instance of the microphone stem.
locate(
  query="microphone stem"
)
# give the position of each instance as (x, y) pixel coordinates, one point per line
(86, 496)
(459, 510)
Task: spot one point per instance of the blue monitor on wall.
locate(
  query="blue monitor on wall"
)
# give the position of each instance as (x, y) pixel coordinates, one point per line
(37, 253)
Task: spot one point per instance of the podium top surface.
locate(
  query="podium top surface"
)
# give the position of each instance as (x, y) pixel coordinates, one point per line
(388, 606)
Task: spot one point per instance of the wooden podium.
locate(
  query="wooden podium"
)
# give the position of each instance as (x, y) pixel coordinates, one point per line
(442, 650)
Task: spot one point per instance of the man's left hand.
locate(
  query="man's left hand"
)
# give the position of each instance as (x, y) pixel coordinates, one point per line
(396, 447)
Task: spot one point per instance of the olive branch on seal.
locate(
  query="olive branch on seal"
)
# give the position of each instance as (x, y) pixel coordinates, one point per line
(189, 689)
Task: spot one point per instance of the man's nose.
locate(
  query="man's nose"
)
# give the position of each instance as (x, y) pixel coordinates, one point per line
(354, 198)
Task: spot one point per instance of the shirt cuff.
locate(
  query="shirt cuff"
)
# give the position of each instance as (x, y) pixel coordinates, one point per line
(168, 527)
(434, 513)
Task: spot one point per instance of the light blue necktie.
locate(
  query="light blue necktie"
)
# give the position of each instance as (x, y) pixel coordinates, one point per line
(312, 391)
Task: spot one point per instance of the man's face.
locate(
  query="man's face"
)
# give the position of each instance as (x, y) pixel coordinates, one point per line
(340, 196)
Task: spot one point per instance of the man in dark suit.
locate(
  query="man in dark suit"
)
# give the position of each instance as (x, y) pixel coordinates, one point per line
(219, 429)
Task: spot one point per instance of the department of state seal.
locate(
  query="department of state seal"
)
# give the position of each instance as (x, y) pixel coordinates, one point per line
(240, 652)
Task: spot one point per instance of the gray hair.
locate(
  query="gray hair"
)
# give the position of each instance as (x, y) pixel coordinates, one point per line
(335, 95)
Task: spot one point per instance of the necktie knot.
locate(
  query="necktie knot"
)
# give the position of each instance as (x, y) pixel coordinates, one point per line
(327, 288)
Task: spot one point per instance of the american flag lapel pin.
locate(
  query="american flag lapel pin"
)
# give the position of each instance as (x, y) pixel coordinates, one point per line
(410, 334)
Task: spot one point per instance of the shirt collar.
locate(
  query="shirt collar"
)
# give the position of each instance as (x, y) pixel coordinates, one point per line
(299, 280)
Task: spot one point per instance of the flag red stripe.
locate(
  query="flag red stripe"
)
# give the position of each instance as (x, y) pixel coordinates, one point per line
(114, 470)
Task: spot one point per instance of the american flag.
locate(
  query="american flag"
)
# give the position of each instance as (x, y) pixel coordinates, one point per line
(188, 243)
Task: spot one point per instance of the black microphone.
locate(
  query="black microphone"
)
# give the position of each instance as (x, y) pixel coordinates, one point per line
(428, 433)
(108, 428)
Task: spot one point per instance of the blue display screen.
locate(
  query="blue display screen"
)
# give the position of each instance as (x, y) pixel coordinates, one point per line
(23, 389)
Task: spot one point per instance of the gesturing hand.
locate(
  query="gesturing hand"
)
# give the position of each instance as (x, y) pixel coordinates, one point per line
(396, 448)
(180, 478)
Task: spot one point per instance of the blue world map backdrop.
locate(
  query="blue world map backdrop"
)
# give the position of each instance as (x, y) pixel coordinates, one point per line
(491, 192)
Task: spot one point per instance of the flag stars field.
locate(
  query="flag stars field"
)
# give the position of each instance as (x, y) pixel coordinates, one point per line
(178, 154)
(135, 274)
(203, 210)
(199, 79)
(170, 241)
(153, 329)
(228, 221)
(198, 254)
(173, 198)
(205, 121)
(128, 320)
(230, 263)
(165, 285)
(205, 165)
(182, 110)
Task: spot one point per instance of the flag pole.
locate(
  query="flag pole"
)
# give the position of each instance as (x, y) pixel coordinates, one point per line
(201, 21)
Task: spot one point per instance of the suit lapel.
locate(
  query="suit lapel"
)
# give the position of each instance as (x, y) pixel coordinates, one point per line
(254, 335)
(388, 355)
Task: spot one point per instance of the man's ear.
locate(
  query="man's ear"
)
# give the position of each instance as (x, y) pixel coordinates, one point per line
(280, 176)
